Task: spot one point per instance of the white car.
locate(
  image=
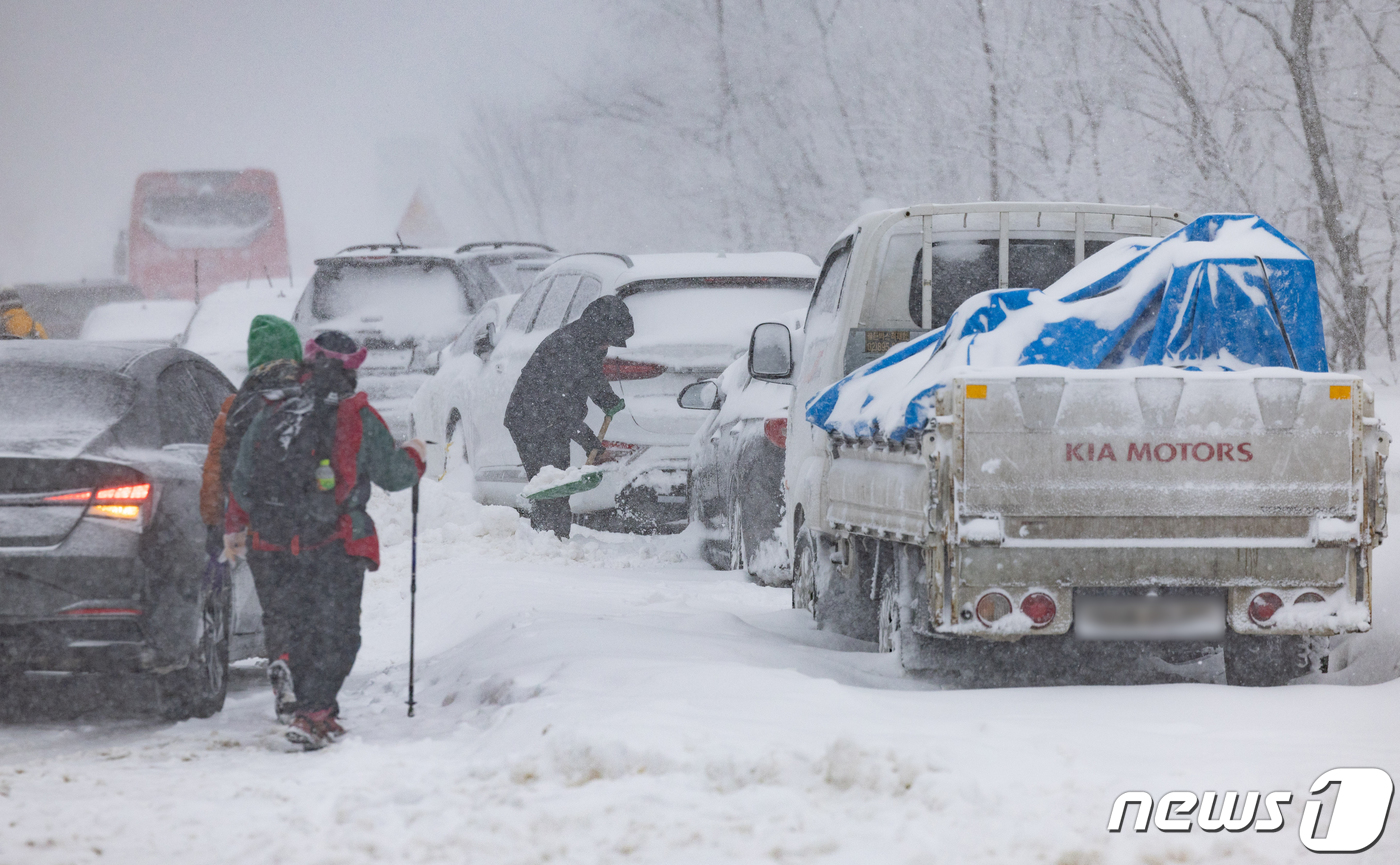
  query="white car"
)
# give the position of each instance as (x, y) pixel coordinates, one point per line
(219, 329)
(404, 304)
(439, 405)
(693, 314)
(138, 321)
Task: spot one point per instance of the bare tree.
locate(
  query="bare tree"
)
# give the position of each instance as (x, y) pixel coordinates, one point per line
(1342, 232)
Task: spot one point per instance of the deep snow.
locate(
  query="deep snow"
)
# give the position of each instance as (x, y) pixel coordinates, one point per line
(612, 699)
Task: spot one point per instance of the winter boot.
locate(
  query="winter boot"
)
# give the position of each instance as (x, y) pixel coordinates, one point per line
(331, 725)
(283, 693)
(310, 731)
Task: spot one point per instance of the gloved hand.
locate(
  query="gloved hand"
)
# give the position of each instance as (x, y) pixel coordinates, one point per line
(419, 447)
(621, 404)
(235, 546)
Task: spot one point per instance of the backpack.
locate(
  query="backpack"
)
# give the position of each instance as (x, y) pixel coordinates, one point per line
(290, 453)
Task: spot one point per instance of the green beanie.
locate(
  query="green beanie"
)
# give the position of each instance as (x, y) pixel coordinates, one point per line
(271, 338)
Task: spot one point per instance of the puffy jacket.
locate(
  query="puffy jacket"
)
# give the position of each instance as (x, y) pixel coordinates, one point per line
(566, 371)
(17, 322)
(363, 452)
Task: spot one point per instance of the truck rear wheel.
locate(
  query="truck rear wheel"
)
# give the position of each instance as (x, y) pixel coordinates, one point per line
(1265, 661)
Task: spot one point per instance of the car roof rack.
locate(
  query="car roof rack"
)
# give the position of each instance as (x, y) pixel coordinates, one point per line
(497, 244)
(625, 259)
(367, 246)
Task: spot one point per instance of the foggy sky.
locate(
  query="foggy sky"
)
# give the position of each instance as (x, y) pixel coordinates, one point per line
(93, 94)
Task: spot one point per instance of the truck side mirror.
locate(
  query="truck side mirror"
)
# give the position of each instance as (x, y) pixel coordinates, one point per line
(701, 396)
(770, 351)
(485, 341)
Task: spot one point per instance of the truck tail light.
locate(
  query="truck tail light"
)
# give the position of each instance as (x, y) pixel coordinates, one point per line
(1309, 598)
(615, 369)
(776, 430)
(993, 606)
(1039, 608)
(1263, 606)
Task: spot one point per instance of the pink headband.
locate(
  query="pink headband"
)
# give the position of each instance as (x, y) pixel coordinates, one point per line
(350, 361)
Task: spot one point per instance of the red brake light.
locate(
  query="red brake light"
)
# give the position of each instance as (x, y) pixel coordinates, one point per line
(776, 430)
(615, 369)
(101, 611)
(1263, 607)
(133, 493)
(69, 498)
(1039, 608)
(122, 503)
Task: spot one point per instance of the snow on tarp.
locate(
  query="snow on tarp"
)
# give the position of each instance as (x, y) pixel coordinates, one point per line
(1207, 297)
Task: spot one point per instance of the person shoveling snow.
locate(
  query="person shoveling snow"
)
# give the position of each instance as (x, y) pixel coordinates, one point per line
(550, 401)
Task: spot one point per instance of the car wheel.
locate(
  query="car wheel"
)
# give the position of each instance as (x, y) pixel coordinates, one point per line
(804, 574)
(199, 689)
(738, 547)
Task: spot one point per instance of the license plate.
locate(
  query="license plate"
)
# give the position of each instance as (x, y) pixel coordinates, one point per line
(1149, 617)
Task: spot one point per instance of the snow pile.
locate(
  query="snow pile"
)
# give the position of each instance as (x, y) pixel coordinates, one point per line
(1209, 296)
(138, 321)
(550, 477)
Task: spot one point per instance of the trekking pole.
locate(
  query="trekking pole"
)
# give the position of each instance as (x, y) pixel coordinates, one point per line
(412, 597)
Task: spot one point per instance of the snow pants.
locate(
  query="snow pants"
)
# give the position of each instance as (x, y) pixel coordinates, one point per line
(316, 597)
(272, 597)
(538, 449)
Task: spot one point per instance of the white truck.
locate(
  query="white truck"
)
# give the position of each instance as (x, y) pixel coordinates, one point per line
(1045, 512)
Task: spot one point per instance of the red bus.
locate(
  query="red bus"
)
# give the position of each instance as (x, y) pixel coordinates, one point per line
(192, 231)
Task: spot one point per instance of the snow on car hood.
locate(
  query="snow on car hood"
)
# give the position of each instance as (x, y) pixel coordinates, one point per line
(1209, 296)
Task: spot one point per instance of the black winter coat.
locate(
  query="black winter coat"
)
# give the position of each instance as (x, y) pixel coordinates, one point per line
(551, 396)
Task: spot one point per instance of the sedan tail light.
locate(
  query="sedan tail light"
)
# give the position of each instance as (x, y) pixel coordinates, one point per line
(615, 369)
(120, 503)
(776, 430)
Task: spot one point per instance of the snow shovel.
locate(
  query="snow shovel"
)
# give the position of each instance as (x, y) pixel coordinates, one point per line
(583, 483)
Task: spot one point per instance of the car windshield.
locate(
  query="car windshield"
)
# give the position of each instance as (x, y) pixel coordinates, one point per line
(709, 311)
(402, 299)
(207, 220)
(59, 398)
(514, 275)
(964, 268)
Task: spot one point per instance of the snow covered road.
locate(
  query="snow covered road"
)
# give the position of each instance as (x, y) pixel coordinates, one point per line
(616, 700)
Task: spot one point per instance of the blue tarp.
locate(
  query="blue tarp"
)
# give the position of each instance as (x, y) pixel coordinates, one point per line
(1209, 296)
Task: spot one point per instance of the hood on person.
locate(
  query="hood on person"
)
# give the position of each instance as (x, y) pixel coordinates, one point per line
(271, 338)
(609, 320)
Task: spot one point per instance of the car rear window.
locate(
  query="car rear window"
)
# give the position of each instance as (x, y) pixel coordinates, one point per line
(62, 398)
(399, 299)
(719, 311)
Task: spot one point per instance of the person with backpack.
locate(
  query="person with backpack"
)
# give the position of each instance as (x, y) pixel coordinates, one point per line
(299, 492)
(550, 400)
(274, 366)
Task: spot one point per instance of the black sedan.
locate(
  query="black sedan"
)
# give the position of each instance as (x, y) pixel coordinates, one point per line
(737, 459)
(102, 561)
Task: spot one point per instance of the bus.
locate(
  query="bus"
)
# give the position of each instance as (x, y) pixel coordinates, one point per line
(192, 231)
